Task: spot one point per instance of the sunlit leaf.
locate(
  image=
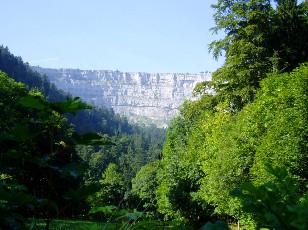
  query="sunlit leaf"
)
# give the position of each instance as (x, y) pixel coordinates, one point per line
(132, 216)
(104, 209)
(33, 102)
(72, 105)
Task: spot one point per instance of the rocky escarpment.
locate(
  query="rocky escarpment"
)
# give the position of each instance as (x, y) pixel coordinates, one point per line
(154, 97)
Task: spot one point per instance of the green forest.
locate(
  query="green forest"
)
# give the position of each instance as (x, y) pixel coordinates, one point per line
(234, 158)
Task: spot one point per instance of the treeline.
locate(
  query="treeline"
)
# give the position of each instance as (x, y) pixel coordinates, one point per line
(16, 69)
(53, 143)
(97, 119)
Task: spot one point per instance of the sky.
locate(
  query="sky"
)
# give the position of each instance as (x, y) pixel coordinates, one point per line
(154, 36)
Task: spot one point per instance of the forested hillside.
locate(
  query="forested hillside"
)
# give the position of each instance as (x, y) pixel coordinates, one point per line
(126, 145)
(235, 156)
(252, 132)
(97, 119)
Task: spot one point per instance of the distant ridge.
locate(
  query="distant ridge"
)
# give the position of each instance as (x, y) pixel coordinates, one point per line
(142, 97)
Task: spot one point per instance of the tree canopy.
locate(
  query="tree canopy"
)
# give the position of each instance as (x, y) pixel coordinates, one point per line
(261, 36)
(253, 112)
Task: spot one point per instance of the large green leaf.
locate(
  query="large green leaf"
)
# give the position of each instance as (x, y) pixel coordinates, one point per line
(40, 161)
(83, 192)
(301, 210)
(17, 154)
(16, 197)
(45, 202)
(21, 133)
(105, 209)
(73, 169)
(34, 102)
(72, 105)
(132, 216)
(90, 139)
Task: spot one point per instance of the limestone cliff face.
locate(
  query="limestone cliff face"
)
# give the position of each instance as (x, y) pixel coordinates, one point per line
(153, 96)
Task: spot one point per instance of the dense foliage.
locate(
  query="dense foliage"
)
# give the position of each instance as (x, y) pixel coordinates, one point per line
(130, 138)
(238, 153)
(261, 36)
(38, 121)
(39, 165)
(253, 112)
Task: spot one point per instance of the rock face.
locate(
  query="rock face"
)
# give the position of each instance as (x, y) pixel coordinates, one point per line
(155, 97)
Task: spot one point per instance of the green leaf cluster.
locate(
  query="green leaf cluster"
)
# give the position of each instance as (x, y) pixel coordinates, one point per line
(112, 188)
(214, 151)
(277, 204)
(253, 112)
(40, 170)
(261, 36)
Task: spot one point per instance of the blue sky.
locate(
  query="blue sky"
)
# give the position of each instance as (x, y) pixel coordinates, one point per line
(126, 35)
